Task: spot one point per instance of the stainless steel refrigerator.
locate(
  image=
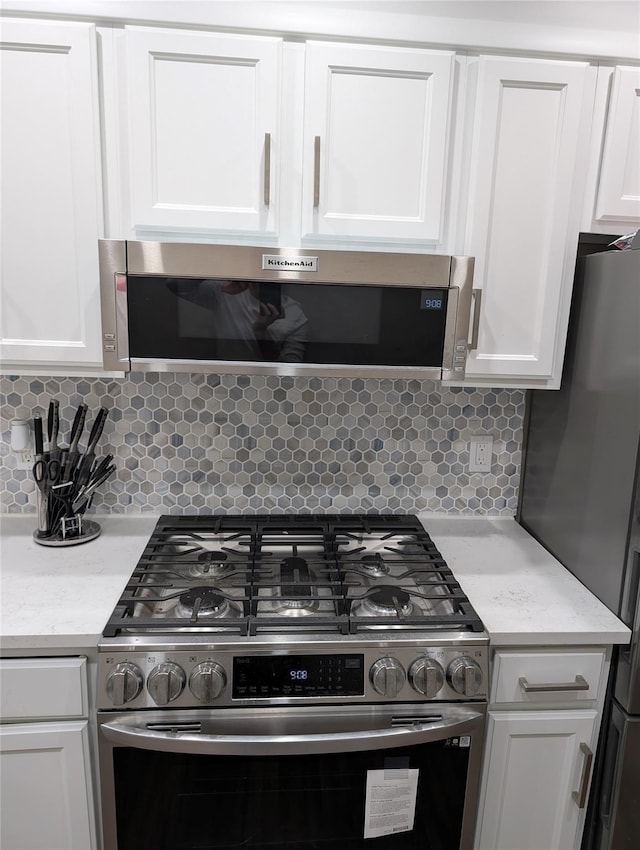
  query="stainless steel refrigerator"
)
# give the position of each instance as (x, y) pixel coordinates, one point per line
(580, 497)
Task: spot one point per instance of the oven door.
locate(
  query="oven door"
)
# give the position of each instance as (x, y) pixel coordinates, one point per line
(386, 777)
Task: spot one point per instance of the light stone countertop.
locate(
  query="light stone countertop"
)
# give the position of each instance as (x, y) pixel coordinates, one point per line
(61, 598)
(524, 596)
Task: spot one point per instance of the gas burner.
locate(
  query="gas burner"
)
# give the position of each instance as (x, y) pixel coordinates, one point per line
(203, 602)
(211, 564)
(372, 564)
(295, 607)
(383, 600)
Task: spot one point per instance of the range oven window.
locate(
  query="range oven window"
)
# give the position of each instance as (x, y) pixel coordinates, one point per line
(292, 802)
(191, 319)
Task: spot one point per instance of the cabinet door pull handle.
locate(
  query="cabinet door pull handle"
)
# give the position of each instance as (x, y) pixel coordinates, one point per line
(267, 169)
(580, 796)
(580, 684)
(316, 171)
(475, 329)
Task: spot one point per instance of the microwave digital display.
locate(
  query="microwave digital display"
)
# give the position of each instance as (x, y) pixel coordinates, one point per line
(433, 299)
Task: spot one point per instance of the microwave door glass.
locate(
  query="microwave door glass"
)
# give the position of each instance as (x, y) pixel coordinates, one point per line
(210, 319)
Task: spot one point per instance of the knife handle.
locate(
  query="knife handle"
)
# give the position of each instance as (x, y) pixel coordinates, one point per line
(81, 503)
(53, 424)
(101, 466)
(76, 428)
(96, 430)
(37, 433)
(82, 471)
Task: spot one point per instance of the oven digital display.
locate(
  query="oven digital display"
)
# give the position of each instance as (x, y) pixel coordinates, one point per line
(297, 676)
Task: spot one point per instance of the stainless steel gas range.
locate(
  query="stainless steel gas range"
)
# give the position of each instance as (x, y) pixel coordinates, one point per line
(273, 666)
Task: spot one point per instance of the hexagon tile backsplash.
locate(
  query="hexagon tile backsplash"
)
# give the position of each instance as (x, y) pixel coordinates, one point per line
(207, 443)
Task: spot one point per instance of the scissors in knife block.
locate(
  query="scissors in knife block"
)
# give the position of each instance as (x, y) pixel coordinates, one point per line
(47, 473)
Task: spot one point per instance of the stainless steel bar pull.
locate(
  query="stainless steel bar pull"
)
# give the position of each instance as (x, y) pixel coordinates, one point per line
(178, 737)
(475, 330)
(267, 169)
(580, 796)
(316, 171)
(580, 684)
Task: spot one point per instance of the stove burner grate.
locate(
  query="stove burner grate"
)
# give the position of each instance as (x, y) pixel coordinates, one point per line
(291, 574)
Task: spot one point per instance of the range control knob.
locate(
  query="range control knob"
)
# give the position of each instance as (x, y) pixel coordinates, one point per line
(207, 681)
(426, 676)
(465, 676)
(124, 683)
(387, 677)
(165, 682)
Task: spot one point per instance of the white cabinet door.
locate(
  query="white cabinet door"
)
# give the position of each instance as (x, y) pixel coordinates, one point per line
(202, 131)
(375, 142)
(50, 195)
(535, 771)
(524, 205)
(619, 184)
(46, 787)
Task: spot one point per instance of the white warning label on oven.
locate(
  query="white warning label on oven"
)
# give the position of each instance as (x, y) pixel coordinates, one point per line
(390, 804)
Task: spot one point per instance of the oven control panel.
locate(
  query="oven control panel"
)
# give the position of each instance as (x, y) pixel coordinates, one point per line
(199, 678)
(313, 675)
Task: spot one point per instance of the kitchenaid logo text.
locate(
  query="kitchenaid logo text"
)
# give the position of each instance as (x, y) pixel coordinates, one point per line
(303, 264)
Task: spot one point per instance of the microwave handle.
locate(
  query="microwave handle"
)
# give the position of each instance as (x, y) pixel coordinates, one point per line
(185, 738)
(475, 328)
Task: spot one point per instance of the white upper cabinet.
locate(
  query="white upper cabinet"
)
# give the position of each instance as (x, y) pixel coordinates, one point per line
(526, 147)
(294, 140)
(375, 142)
(618, 196)
(202, 115)
(51, 194)
(214, 132)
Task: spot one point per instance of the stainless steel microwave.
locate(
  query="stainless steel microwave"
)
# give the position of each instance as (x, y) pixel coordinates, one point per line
(173, 306)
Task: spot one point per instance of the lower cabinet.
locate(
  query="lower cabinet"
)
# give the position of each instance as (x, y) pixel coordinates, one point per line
(536, 779)
(46, 783)
(542, 731)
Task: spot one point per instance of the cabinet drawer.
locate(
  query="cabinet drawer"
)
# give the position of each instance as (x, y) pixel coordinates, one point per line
(548, 677)
(43, 688)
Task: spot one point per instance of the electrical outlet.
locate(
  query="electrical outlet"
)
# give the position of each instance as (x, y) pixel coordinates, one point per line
(25, 460)
(480, 451)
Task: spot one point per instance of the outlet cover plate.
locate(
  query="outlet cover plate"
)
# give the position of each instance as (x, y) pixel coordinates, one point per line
(480, 453)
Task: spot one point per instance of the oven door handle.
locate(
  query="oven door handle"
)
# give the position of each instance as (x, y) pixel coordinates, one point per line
(185, 738)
